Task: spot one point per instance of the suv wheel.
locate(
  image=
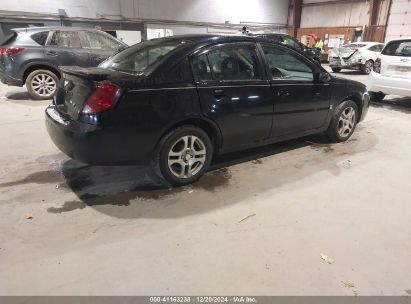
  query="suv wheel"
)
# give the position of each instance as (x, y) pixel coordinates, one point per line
(42, 84)
(343, 122)
(184, 155)
(336, 70)
(376, 96)
(367, 67)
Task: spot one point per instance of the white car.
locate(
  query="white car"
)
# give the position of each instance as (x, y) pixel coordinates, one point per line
(392, 71)
(355, 56)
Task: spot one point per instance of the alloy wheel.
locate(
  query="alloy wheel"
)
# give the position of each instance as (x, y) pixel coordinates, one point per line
(368, 67)
(346, 122)
(187, 156)
(43, 84)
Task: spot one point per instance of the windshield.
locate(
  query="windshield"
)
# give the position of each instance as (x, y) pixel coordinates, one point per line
(140, 57)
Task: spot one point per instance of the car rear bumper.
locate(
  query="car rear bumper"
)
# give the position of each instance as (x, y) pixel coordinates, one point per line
(389, 85)
(6, 79)
(345, 64)
(89, 143)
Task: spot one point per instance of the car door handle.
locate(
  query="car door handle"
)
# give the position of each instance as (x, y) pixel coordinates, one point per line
(219, 93)
(51, 53)
(283, 93)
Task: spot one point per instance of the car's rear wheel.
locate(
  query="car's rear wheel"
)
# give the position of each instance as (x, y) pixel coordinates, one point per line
(336, 70)
(184, 155)
(42, 84)
(367, 67)
(344, 121)
(376, 96)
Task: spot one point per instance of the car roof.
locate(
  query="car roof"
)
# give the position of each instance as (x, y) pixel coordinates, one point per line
(400, 39)
(50, 28)
(206, 38)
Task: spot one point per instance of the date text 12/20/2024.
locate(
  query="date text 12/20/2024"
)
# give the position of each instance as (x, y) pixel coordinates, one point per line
(203, 299)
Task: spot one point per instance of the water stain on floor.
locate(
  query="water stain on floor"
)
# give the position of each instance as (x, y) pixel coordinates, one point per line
(209, 182)
(41, 177)
(67, 206)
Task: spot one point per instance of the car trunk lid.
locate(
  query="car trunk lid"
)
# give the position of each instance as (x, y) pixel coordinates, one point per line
(396, 66)
(76, 86)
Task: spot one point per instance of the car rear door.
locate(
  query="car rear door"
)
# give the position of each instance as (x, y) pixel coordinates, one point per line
(100, 46)
(64, 48)
(234, 93)
(396, 59)
(301, 102)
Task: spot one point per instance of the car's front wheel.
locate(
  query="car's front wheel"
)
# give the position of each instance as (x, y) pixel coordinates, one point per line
(336, 70)
(344, 121)
(184, 155)
(41, 84)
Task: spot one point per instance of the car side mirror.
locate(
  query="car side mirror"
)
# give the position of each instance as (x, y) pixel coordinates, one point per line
(121, 48)
(324, 77)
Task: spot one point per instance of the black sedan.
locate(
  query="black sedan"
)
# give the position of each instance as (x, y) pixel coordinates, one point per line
(178, 101)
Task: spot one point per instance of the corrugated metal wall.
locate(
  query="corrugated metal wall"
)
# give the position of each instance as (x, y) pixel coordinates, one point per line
(399, 21)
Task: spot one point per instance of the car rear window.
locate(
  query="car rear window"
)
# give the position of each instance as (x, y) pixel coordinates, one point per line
(140, 57)
(398, 48)
(40, 37)
(9, 38)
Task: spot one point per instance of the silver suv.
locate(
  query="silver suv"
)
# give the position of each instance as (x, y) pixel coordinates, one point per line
(32, 56)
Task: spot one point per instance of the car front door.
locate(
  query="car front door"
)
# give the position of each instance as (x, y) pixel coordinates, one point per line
(100, 46)
(301, 101)
(234, 94)
(64, 48)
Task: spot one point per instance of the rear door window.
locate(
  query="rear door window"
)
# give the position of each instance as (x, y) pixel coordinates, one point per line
(40, 37)
(228, 62)
(398, 48)
(98, 41)
(68, 39)
(376, 48)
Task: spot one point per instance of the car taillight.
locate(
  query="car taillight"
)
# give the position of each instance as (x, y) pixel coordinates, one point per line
(377, 65)
(103, 98)
(10, 51)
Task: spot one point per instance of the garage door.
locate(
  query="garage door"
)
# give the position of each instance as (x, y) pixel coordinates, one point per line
(399, 21)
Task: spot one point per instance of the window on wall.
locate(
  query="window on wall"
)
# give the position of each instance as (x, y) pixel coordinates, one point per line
(284, 65)
(228, 62)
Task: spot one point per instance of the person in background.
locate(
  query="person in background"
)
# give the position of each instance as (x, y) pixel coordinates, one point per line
(319, 44)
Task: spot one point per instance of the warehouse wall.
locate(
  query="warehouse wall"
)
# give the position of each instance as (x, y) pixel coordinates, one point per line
(213, 11)
(328, 14)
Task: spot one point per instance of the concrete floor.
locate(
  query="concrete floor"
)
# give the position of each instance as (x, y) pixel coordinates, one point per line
(256, 225)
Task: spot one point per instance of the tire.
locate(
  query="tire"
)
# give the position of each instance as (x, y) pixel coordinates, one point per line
(376, 96)
(367, 67)
(336, 70)
(184, 155)
(42, 84)
(343, 122)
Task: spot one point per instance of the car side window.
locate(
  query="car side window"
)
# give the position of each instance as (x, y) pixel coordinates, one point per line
(40, 37)
(289, 42)
(228, 62)
(98, 41)
(284, 65)
(376, 48)
(69, 39)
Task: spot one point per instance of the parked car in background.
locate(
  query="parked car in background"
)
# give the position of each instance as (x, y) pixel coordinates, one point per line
(392, 71)
(32, 56)
(312, 53)
(355, 56)
(178, 101)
